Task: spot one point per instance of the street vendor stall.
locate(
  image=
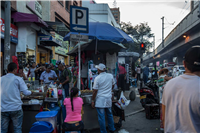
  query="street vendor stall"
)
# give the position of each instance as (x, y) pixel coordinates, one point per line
(106, 40)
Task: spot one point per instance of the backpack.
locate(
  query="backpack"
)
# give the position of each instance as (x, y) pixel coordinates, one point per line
(69, 74)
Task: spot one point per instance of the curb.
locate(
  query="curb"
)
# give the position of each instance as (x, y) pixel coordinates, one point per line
(133, 113)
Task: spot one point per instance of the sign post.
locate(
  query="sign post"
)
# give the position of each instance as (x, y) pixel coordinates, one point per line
(78, 23)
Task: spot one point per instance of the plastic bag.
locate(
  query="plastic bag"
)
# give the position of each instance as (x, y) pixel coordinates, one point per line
(123, 131)
(122, 102)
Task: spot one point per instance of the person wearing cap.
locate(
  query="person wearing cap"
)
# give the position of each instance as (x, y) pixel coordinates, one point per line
(181, 97)
(48, 76)
(102, 98)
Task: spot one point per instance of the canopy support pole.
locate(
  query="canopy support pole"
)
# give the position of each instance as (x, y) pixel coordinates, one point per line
(79, 65)
(96, 47)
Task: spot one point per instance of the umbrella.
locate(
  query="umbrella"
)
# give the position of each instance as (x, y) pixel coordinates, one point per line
(103, 47)
(104, 31)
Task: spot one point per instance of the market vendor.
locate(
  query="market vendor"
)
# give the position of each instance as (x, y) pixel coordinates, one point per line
(11, 104)
(48, 76)
(64, 78)
(21, 73)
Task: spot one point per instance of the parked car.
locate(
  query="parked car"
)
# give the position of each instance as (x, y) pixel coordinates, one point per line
(178, 70)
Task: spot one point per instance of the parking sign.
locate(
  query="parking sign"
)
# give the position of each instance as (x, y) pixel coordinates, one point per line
(78, 19)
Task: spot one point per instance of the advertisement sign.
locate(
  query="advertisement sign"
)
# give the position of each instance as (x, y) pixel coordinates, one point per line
(35, 7)
(13, 31)
(44, 37)
(64, 49)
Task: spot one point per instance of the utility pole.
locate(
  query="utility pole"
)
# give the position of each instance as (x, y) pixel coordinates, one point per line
(154, 44)
(7, 35)
(162, 31)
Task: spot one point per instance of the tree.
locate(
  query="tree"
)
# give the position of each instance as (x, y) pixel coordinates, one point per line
(140, 33)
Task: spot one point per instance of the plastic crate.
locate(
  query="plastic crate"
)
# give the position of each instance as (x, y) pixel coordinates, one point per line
(49, 116)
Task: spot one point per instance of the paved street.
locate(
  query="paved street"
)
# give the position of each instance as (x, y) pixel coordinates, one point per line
(136, 121)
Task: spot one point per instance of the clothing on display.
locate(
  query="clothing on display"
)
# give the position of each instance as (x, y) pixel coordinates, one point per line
(111, 60)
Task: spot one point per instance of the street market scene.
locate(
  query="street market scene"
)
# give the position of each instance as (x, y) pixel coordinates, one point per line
(100, 66)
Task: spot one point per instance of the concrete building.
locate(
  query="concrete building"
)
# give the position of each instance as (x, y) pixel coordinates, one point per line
(53, 21)
(59, 13)
(116, 14)
(13, 34)
(100, 13)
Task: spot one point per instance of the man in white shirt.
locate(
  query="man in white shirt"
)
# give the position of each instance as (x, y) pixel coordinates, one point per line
(11, 104)
(102, 93)
(181, 97)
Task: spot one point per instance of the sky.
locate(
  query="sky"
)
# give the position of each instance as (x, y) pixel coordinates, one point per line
(151, 11)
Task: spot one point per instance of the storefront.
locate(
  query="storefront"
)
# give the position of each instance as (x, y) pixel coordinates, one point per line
(61, 54)
(13, 41)
(45, 52)
(28, 26)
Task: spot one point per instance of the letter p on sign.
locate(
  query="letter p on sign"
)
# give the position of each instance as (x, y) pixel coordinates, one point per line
(78, 19)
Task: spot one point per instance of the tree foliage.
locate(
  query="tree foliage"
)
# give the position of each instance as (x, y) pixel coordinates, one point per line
(140, 33)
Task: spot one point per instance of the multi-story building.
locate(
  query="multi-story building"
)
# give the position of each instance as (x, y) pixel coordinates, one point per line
(13, 34)
(41, 27)
(116, 14)
(100, 13)
(59, 19)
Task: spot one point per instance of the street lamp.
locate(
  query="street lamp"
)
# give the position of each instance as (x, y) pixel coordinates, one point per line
(184, 36)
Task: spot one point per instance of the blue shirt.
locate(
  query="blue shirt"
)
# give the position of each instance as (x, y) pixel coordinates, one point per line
(45, 76)
(11, 86)
(146, 71)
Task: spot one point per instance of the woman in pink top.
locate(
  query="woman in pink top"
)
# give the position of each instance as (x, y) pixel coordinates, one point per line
(73, 121)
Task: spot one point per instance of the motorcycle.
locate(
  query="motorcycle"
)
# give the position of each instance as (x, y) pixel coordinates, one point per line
(149, 93)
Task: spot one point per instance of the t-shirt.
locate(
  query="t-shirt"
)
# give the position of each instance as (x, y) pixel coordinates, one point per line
(76, 114)
(122, 70)
(138, 70)
(63, 74)
(146, 71)
(32, 72)
(181, 98)
(103, 83)
(45, 76)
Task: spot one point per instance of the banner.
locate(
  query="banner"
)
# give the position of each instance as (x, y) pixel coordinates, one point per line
(13, 31)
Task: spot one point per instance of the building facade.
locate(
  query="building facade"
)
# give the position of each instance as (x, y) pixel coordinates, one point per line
(60, 12)
(13, 34)
(41, 26)
(116, 14)
(100, 13)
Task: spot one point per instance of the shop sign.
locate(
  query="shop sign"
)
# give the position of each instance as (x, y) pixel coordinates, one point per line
(77, 38)
(61, 50)
(49, 38)
(13, 31)
(65, 44)
(35, 7)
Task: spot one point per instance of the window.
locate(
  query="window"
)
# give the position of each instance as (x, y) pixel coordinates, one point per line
(67, 5)
(116, 16)
(61, 2)
(75, 3)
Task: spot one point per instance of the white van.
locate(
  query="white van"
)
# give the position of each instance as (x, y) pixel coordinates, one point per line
(178, 70)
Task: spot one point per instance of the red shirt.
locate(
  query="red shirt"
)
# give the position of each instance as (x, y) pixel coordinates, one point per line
(122, 70)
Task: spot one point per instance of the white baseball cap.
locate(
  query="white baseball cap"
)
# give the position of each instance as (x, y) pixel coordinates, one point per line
(101, 66)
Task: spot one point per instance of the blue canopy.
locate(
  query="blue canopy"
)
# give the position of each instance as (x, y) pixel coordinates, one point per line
(105, 32)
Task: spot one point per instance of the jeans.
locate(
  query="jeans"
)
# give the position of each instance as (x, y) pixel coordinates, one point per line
(17, 119)
(79, 126)
(145, 78)
(101, 119)
(66, 88)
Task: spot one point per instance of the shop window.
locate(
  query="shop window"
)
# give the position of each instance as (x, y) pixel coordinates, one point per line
(67, 4)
